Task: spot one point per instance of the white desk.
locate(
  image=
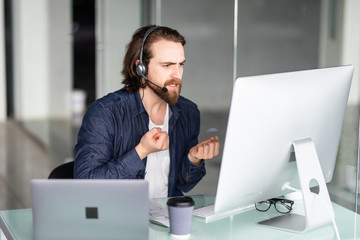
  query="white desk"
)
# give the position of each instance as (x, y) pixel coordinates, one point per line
(17, 224)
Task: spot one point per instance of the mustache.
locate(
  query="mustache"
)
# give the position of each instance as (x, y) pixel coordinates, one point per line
(173, 81)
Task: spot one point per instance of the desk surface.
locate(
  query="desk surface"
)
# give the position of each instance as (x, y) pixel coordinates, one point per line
(17, 224)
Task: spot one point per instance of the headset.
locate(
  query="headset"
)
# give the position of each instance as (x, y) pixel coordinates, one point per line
(141, 68)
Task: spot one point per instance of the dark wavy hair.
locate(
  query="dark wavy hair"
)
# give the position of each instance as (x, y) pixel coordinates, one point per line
(131, 79)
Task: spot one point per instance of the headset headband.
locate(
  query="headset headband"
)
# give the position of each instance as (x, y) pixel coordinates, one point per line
(143, 42)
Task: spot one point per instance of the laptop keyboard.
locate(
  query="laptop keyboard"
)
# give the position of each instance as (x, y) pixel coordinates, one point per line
(158, 214)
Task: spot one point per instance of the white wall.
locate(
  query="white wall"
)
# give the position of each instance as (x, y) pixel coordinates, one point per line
(60, 57)
(30, 58)
(42, 58)
(116, 21)
(2, 65)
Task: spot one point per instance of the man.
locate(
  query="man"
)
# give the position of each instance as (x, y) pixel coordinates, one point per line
(146, 130)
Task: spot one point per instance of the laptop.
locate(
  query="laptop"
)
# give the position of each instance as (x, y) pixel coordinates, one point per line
(90, 209)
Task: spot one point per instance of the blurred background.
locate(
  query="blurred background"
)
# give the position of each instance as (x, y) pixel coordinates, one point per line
(58, 56)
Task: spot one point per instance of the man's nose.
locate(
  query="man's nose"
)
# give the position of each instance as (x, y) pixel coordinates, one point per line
(177, 72)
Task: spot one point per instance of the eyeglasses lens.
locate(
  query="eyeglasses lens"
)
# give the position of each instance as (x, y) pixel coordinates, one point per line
(283, 207)
(263, 206)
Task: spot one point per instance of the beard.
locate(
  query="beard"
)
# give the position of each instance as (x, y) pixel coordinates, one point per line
(170, 97)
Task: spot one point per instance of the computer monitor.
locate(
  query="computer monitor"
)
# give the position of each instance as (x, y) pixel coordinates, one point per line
(268, 114)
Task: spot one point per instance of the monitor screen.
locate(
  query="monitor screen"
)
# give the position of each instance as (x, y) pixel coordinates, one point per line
(267, 114)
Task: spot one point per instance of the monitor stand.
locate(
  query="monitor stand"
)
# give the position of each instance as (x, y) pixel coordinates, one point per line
(318, 207)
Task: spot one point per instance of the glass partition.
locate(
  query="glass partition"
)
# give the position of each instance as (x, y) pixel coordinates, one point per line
(270, 36)
(208, 26)
(277, 36)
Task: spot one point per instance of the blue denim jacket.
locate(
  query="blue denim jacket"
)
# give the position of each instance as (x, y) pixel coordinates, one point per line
(114, 125)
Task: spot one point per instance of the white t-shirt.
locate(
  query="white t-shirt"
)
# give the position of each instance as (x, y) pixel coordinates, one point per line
(158, 165)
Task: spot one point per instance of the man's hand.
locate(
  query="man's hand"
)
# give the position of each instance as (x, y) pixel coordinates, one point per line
(153, 141)
(204, 150)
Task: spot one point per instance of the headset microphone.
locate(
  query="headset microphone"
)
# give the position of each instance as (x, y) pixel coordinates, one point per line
(141, 68)
(164, 89)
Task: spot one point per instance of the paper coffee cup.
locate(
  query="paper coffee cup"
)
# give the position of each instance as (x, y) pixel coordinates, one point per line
(180, 216)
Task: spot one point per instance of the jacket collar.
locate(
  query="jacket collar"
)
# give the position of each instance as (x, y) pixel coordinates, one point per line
(137, 107)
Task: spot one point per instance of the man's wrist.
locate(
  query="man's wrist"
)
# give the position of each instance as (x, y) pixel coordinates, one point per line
(195, 161)
(140, 151)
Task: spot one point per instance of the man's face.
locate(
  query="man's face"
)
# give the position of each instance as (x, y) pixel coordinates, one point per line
(166, 69)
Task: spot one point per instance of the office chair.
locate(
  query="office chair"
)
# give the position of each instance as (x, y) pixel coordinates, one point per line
(64, 171)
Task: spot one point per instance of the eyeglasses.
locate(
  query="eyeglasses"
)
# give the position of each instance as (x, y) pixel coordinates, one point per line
(281, 205)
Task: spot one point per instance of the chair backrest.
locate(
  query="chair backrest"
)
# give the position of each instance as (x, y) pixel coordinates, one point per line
(64, 171)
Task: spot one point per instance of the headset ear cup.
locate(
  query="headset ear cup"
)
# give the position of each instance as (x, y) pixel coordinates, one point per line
(141, 70)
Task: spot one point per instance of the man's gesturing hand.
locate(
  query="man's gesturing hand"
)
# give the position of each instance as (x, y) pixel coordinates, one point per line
(153, 141)
(204, 150)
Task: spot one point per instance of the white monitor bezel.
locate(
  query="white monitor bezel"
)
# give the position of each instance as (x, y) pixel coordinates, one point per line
(267, 114)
